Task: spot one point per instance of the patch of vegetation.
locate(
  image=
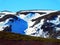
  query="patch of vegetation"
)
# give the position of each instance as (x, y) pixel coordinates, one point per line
(19, 37)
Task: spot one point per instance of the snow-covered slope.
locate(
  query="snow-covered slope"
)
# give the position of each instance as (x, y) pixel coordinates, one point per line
(36, 30)
(35, 27)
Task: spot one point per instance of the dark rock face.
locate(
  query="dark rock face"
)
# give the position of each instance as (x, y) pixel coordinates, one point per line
(7, 17)
(49, 16)
(47, 27)
(7, 29)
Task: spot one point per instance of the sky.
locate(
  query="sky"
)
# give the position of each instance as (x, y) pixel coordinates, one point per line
(17, 5)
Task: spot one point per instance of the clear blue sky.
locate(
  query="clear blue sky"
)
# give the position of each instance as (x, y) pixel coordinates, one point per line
(16, 5)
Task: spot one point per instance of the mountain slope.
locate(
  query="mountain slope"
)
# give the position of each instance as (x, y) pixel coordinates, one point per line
(35, 20)
(17, 37)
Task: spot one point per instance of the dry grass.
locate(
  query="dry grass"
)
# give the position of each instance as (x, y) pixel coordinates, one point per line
(13, 36)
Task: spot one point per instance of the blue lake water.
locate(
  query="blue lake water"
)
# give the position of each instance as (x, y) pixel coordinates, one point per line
(18, 26)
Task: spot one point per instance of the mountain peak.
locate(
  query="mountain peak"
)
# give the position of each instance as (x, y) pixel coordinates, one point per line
(5, 11)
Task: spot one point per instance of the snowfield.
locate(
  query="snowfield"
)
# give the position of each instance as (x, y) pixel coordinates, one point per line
(40, 29)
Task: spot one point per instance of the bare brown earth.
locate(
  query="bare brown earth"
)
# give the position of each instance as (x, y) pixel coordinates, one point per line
(7, 38)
